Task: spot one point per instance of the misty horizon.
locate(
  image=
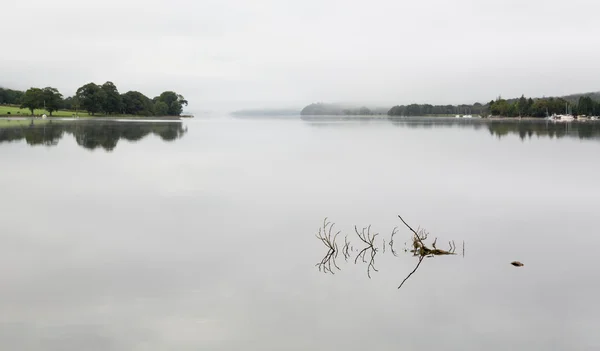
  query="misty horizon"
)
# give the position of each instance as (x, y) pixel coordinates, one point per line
(229, 55)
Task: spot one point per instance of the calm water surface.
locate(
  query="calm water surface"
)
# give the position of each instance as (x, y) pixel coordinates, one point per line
(201, 236)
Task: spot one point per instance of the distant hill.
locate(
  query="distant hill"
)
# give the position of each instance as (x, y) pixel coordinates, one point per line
(267, 112)
(331, 109)
(574, 98)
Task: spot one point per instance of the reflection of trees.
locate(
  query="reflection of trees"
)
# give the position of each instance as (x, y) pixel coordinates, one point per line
(437, 122)
(582, 130)
(97, 135)
(523, 128)
(527, 129)
(48, 134)
(169, 132)
(369, 246)
(92, 134)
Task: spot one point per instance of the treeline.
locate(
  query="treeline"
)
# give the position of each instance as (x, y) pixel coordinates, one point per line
(10, 96)
(586, 104)
(94, 99)
(323, 109)
(528, 107)
(436, 110)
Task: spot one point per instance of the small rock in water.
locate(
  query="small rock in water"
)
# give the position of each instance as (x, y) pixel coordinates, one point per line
(517, 264)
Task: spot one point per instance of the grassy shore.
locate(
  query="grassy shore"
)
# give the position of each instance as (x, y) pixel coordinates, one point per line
(16, 111)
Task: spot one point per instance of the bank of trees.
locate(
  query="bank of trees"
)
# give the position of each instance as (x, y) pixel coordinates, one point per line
(523, 106)
(10, 96)
(96, 99)
(528, 107)
(436, 110)
(325, 109)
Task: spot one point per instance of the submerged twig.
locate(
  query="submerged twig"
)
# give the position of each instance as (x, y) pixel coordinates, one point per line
(346, 248)
(328, 237)
(394, 231)
(413, 271)
(369, 240)
(325, 235)
(421, 250)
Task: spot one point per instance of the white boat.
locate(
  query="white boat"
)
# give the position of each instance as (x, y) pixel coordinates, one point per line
(567, 117)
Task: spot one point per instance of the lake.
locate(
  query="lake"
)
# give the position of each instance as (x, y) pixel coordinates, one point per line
(201, 235)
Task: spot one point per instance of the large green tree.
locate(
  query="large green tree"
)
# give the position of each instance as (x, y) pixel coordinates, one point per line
(112, 100)
(32, 99)
(586, 106)
(91, 97)
(174, 101)
(136, 103)
(161, 108)
(52, 99)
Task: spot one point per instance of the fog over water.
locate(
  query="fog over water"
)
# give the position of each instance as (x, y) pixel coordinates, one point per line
(202, 236)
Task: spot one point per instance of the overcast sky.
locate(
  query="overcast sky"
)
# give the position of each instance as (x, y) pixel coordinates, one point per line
(229, 54)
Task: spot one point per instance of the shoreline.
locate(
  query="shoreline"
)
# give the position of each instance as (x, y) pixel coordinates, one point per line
(149, 118)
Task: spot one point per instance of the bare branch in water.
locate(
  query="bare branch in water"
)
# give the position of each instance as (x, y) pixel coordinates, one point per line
(394, 231)
(346, 249)
(413, 271)
(421, 250)
(369, 240)
(412, 230)
(325, 235)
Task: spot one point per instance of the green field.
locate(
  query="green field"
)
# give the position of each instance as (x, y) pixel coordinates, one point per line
(15, 111)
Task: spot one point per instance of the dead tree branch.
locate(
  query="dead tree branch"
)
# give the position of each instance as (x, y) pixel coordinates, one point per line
(394, 231)
(346, 249)
(413, 271)
(369, 240)
(329, 240)
(421, 250)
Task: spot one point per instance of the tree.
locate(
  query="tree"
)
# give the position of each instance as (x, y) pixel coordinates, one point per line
(586, 106)
(136, 103)
(52, 99)
(112, 101)
(71, 103)
(32, 99)
(161, 108)
(522, 106)
(91, 97)
(174, 101)
(10, 97)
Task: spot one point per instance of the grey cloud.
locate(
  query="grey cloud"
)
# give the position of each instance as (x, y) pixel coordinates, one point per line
(234, 53)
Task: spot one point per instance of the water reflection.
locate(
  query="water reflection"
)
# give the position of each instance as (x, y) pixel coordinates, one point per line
(498, 128)
(369, 246)
(92, 134)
